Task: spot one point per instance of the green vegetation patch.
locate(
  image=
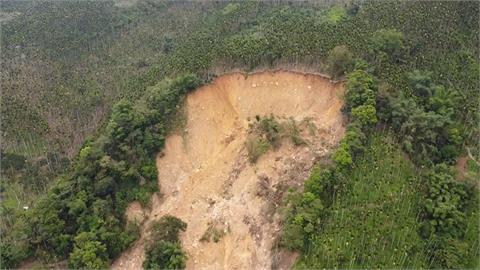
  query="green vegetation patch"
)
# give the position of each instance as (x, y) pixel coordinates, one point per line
(336, 14)
(81, 218)
(449, 208)
(163, 250)
(373, 220)
(267, 132)
(373, 207)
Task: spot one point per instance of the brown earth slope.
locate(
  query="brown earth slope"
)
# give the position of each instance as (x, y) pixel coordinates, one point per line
(206, 179)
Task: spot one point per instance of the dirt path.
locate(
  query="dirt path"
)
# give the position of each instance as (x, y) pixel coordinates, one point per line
(461, 167)
(205, 176)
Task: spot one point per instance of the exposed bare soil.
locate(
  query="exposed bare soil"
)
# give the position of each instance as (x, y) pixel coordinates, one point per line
(205, 176)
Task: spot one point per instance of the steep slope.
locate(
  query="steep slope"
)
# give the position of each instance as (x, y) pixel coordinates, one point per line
(207, 181)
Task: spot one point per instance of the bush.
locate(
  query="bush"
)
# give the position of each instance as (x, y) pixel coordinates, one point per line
(47, 228)
(339, 61)
(355, 139)
(167, 229)
(256, 147)
(366, 115)
(165, 255)
(449, 253)
(426, 121)
(444, 203)
(13, 252)
(321, 182)
(104, 186)
(445, 219)
(360, 96)
(387, 44)
(164, 250)
(267, 132)
(291, 130)
(250, 49)
(421, 83)
(122, 122)
(149, 171)
(342, 156)
(304, 213)
(88, 253)
(360, 89)
(11, 161)
(271, 128)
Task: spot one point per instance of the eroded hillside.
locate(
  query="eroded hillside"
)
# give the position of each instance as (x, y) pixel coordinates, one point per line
(206, 179)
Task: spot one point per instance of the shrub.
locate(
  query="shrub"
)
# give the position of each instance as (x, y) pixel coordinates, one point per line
(426, 121)
(88, 253)
(11, 161)
(342, 156)
(339, 61)
(250, 49)
(421, 83)
(322, 182)
(304, 213)
(387, 44)
(267, 132)
(360, 89)
(449, 253)
(165, 255)
(366, 115)
(444, 203)
(271, 128)
(336, 14)
(164, 250)
(122, 121)
(167, 229)
(149, 171)
(355, 139)
(47, 231)
(291, 130)
(360, 96)
(256, 147)
(13, 252)
(445, 217)
(104, 186)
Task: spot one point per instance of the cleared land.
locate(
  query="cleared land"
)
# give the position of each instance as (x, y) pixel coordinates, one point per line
(206, 178)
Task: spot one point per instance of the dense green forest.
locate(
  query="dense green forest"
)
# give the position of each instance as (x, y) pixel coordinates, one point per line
(91, 89)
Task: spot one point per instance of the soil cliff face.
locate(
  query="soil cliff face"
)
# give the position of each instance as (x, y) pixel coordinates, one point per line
(206, 179)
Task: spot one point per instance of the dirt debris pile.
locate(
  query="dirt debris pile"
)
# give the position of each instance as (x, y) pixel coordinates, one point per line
(206, 178)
